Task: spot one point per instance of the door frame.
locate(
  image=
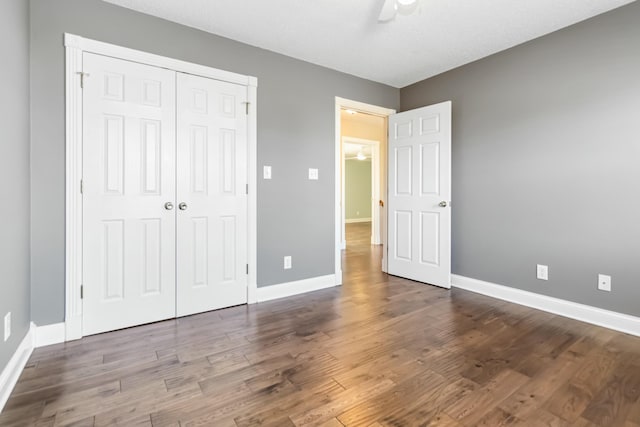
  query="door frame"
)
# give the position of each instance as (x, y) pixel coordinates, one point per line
(343, 103)
(375, 189)
(75, 46)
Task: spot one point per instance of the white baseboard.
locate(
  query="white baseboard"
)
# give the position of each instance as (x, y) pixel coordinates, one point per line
(11, 372)
(352, 220)
(288, 289)
(49, 334)
(585, 313)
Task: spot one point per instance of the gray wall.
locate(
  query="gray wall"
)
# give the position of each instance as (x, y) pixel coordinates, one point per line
(357, 188)
(295, 131)
(14, 174)
(546, 161)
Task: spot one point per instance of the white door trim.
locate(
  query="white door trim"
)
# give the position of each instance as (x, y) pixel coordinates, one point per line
(365, 108)
(74, 48)
(375, 189)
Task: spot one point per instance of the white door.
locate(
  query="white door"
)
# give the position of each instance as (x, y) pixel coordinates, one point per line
(128, 177)
(419, 243)
(212, 199)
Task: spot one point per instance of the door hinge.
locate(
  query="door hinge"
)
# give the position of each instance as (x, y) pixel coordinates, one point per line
(81, 186)
(247, 268)
(246, 105)
(81, 291)
(82, 77)
(247, 187)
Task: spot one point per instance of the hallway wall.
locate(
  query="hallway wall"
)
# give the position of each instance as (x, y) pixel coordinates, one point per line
(357, 186)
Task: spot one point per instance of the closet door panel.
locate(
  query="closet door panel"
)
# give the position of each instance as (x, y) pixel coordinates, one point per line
(211, 187)
(128, 176)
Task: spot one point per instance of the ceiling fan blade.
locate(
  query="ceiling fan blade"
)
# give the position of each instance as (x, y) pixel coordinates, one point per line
(388, 11)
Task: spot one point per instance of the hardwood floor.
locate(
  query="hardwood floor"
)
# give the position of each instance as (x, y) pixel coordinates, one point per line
(378, 351)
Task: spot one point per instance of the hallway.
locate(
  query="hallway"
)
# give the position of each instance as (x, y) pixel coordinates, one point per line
(361, 261)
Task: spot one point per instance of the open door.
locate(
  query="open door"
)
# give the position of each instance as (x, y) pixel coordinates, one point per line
(419, 194)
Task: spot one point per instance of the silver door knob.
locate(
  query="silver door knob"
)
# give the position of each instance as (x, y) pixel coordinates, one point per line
(182, 206)
(442, 204)
(168, 206)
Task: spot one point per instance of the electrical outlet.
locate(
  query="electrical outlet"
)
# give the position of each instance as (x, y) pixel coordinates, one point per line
(287, 262)
(542, 272)
(266, 172)
(313, 174)
(604, 282)
(7, 326)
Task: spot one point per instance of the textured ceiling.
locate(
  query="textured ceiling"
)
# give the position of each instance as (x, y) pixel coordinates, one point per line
(344, 34)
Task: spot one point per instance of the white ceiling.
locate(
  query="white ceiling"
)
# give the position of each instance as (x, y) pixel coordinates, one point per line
(344, 34)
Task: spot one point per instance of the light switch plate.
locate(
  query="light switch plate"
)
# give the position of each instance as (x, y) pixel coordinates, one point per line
(313, 173)
(542, 272)
(266, 172)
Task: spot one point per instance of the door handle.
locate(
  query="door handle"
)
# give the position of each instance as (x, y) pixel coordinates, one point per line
(182, 206)
(442, 204)
(168, 206)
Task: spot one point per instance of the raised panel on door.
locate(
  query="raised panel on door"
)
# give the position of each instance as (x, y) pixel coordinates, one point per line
(403, 244)
(403, 167)
(128, 176)
(111, 287)
(211, 185)
(430, 168)
(429, 236)
(420, 192)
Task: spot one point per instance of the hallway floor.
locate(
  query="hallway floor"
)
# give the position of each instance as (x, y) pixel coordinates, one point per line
(377, 351)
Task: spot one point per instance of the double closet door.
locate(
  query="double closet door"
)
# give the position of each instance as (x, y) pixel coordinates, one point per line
(164, 194)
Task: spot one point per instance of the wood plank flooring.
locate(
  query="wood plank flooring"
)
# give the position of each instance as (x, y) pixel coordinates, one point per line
(378, 351)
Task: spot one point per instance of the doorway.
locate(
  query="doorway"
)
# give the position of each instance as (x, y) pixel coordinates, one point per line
(416, 217)
(356, 123)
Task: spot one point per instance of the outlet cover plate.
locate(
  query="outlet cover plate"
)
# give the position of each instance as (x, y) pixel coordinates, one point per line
(604, 282)
(542, 272)
(287, 262)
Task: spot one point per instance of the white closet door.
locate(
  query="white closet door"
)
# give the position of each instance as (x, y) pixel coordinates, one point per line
(419, 194)
(212, 216)
(128, 177)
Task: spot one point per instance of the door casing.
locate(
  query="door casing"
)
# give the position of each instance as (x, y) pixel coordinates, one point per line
(74, 77)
